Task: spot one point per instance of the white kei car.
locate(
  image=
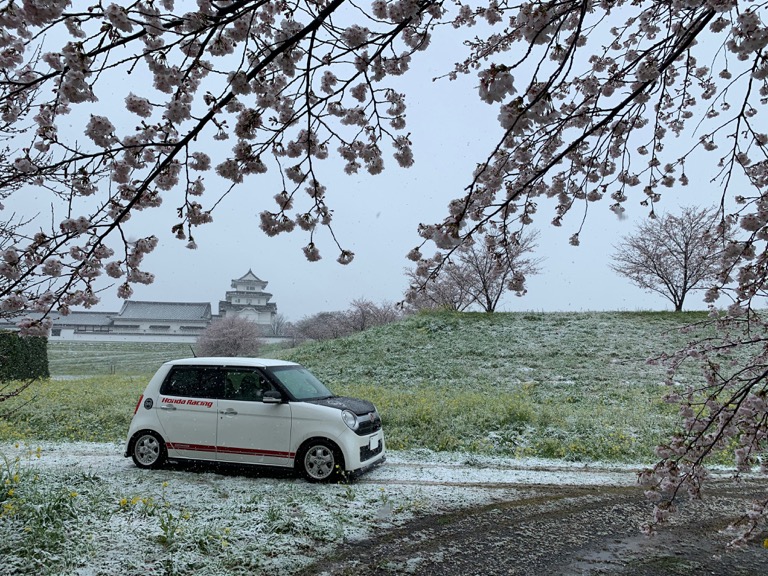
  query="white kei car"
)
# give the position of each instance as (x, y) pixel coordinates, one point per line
(253, 411)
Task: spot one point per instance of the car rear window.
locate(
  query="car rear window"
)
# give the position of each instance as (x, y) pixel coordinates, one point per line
(193, 382)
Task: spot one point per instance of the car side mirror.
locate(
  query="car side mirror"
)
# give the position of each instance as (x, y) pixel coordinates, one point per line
(272, 397)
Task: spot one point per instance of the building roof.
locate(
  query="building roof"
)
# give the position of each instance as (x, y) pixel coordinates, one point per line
(138, 310)
(249, 276)
(83, 318)
(78, 318)
(245, 293)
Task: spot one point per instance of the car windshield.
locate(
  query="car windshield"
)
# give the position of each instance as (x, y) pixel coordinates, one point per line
(300, 382)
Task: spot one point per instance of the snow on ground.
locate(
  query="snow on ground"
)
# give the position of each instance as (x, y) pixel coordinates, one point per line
(182, 519)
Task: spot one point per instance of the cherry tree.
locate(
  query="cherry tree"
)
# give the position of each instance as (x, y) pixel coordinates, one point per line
(451, 289)
(230, 336)
(672, 255)
(323, 326)
(598, 103)
(363, 314)
(475, 276)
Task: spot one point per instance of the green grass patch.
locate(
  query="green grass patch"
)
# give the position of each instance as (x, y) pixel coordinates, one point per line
(96, 409)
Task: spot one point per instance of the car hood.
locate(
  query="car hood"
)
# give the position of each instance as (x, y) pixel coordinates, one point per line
(346, 403)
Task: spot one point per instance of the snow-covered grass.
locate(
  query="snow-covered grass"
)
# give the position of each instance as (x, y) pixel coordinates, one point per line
(574, 350)
(81, 509)
(471, 404)
(93, 358)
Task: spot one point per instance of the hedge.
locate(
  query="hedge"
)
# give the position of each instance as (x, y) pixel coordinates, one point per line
(23, 358)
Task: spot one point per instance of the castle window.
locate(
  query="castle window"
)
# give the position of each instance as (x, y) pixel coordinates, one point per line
(92, 329)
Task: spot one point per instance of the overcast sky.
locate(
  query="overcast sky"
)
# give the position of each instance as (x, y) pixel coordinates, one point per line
(377, 217)
(571, 279)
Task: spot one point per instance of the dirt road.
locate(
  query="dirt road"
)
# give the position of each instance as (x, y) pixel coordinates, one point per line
(563, 530)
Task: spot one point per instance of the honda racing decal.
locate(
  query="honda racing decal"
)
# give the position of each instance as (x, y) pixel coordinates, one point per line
(187, 402)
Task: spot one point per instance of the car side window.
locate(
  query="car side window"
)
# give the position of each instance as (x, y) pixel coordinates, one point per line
(192, 382)
(246, 385)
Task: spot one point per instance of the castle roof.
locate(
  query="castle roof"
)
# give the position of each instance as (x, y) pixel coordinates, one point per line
(250, 276)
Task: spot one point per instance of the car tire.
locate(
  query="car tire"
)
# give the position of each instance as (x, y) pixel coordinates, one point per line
(148, 450)
(320, 460)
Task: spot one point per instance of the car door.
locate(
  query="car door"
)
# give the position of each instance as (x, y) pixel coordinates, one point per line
(249, 430)
(187, 410)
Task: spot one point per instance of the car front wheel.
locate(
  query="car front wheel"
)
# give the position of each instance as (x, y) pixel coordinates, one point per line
(149, 450)
(320, 461)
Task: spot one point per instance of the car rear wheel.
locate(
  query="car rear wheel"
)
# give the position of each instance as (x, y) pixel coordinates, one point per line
(320, 461)
(149, 450)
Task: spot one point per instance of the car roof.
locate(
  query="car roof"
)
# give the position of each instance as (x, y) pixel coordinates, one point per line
(231, 361)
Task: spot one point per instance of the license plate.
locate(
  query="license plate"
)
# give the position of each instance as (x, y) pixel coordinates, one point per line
(373, 442)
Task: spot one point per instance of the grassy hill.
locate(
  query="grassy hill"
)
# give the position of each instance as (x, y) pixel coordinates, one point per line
(589, 349)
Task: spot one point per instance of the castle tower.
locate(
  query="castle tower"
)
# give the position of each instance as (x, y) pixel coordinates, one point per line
(248, 299)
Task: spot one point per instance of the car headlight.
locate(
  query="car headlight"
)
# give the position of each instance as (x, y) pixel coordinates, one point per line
(350, 419)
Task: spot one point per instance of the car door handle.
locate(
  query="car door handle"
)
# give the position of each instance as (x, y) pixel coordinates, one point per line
(229, 412)
(167, 407)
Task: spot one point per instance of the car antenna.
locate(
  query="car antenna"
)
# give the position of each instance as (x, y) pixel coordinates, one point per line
(193, 352)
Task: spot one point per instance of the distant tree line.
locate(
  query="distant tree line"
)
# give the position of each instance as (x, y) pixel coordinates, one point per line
(361, 315)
